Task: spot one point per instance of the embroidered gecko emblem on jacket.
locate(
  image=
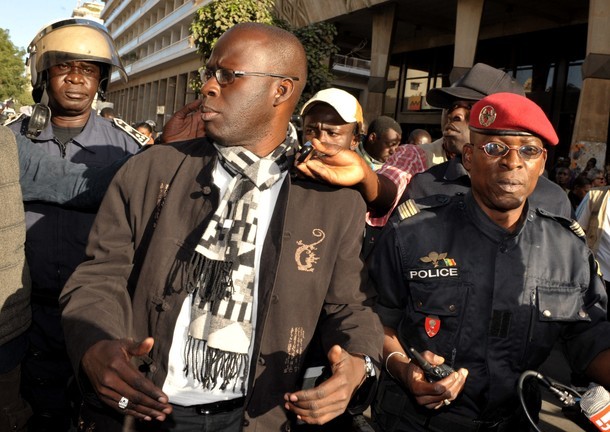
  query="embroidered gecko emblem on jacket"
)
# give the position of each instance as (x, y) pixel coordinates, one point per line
(305, 255)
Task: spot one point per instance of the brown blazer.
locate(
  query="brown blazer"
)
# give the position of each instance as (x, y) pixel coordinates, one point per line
(152, 217)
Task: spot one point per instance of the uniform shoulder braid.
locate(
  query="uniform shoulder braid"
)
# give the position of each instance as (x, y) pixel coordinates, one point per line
(412, 207)
(140, 138)
(571, 224)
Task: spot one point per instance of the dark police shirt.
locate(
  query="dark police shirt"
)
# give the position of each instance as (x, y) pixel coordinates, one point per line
(493, 302)
(57, 236)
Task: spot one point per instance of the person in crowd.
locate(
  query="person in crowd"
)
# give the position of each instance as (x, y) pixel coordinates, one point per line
(382, 139)
(146, 129)
(108, 113)
(70, 62)
(382, 190)
(15, 315)
(456, 100)
(189, 310)
(591, 164)
(419, 136)
(442, 292)
(563, 177)
(333, 115)
(580, 187)
(592, 214)
(597, 177)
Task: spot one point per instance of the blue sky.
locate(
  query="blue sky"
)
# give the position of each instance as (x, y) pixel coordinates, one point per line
(23, 18)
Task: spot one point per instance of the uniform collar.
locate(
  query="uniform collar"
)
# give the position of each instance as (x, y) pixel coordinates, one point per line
(455, 169)
(487, 226)
(82, 139)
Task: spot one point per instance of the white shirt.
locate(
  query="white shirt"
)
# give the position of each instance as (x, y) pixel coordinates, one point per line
(186, 391)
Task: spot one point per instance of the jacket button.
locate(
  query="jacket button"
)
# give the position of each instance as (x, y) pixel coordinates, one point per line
(452, 308)
(246, 423)
(261, 361)
(275, 298)
(419, 303)
(287, 235)
(206, 190)
(547, 313)
(582, 314)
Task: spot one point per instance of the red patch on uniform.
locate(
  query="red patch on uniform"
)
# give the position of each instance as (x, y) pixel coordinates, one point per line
(433, 325)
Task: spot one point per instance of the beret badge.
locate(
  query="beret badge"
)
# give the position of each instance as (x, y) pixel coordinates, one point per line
(487, 116)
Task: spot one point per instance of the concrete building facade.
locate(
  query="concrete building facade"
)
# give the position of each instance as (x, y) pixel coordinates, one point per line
(393, 51)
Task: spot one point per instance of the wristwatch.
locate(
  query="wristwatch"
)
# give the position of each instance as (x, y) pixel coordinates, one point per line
(369, 369)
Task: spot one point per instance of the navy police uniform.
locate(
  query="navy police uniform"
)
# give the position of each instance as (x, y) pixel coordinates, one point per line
(494, 302)
(55, 244)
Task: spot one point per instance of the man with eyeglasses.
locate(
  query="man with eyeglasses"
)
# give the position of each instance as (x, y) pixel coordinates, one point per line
(213, 272)
(485, 284)
(450, 177)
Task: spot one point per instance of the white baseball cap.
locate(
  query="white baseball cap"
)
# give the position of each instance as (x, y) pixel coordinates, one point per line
(345, 104)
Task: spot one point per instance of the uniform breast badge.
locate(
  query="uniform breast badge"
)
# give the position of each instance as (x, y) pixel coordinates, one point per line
(432, 325)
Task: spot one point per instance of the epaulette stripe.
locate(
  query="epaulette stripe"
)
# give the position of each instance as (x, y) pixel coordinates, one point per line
(407, 209)
(140, 138)
(577, 229)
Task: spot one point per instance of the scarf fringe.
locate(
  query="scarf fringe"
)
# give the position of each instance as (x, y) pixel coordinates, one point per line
(208, 364)
(212, 279)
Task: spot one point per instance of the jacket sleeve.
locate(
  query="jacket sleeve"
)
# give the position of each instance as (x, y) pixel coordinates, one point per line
(45, 177)
(96, 302)
(347, 317)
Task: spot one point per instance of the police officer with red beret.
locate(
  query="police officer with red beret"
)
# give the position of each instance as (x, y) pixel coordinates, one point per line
(486, 285)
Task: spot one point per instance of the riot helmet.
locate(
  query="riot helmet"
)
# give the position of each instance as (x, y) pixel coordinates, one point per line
(73, 39)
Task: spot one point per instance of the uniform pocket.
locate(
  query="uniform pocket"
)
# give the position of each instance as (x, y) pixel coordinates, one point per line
(561, 303)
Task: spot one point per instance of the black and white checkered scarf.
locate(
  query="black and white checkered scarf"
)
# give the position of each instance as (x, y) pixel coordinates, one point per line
(221, 271)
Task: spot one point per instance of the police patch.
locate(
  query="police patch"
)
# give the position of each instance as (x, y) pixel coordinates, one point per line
(443, 267)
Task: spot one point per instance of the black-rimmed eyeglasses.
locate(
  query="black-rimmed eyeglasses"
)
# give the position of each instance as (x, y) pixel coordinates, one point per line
(497, 149)
(227, 76)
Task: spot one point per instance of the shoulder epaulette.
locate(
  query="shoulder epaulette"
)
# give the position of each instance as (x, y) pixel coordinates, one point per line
(411, 207)
(140, 138)
(407, 209)
(571, 224)
(11, 120)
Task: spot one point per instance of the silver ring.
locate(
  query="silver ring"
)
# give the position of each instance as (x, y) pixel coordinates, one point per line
(123, 403)
(447, 402)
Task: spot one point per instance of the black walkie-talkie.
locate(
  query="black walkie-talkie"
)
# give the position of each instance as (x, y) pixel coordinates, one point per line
(433, 373)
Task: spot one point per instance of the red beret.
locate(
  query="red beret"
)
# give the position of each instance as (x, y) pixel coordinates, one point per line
(511, 114)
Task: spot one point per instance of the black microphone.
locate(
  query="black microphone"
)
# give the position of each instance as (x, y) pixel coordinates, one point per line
(595, 403)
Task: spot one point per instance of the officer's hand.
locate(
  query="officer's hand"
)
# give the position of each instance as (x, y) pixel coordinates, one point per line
(185, 124)
(113, 376)
(432, 395)
(323, 403)
(334, 164)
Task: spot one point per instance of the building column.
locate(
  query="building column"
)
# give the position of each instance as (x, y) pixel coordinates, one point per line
(383, 29)
(467, 24)
(591, 124)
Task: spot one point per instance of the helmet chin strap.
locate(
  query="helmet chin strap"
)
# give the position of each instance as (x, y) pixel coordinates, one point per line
(41, 115)
(100, 89)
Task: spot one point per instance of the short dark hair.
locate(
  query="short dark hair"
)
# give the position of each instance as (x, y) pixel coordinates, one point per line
(382, 124)
(144, 125)
(107, 111)
(581, 181)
